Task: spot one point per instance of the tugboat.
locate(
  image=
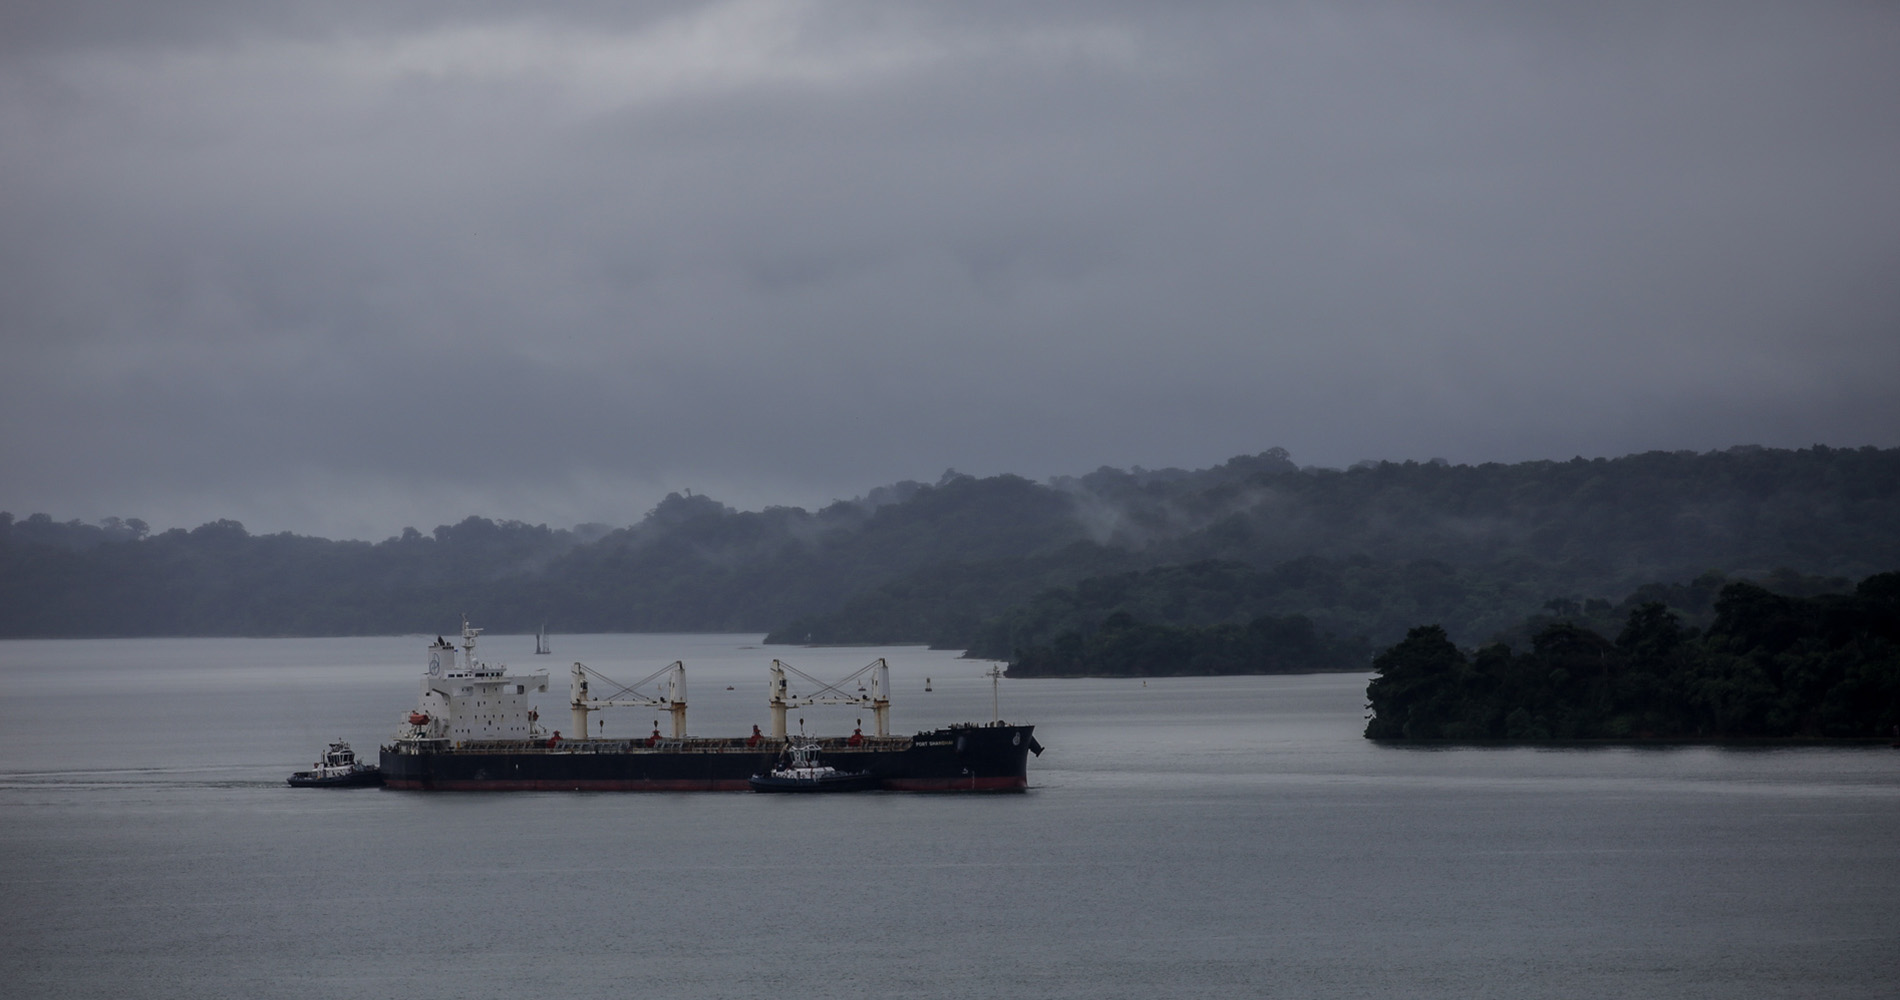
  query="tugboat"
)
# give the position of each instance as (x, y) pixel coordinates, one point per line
(338, 768)
(803, 773)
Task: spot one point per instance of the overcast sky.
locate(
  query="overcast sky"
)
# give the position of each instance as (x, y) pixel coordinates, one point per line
(340, 268)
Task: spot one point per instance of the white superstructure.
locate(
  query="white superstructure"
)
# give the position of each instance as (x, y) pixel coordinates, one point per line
(464, 699)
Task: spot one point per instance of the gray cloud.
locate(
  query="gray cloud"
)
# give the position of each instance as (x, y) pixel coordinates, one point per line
(340, 269)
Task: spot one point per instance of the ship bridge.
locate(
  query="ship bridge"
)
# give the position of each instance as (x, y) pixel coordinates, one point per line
(464, 699)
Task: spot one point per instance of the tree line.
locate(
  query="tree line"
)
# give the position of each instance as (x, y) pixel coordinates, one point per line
(1768, 665)
(1000, 564)
(1124, 647)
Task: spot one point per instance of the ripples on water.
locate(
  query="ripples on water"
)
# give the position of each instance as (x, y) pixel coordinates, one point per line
(1193, 837)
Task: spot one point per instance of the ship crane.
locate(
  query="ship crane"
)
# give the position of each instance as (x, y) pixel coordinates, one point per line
(609, 693)
(877, 698)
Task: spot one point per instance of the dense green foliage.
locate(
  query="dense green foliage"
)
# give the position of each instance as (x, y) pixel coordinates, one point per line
(1354, 597)
(1369, 551)
(948, 605)
(690, 565)
(1002, 564)
(1123, 647)
(1769, 665)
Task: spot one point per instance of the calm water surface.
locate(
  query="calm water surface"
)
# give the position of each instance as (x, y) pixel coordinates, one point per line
(1190, 837)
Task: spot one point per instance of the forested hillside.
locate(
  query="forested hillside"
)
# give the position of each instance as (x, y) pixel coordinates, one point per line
(1369, 552)
(691, 564)
(1003, 563)
(1768, 665)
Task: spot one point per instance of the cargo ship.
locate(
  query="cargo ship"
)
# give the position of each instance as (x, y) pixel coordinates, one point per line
(473, 729)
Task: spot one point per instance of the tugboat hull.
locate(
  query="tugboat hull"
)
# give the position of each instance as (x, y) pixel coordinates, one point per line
(368, 777)
(807, 786)
(337, 768)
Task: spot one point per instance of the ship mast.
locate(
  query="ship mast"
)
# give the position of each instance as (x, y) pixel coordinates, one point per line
(996, 679)
(468, 645)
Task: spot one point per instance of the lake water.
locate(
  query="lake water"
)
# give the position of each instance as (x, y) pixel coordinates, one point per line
(1197, 837)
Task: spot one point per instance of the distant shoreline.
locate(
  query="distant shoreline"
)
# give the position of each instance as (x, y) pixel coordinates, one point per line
(1762, 742)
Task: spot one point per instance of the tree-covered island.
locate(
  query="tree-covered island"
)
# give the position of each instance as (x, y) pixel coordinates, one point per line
(1768, 666)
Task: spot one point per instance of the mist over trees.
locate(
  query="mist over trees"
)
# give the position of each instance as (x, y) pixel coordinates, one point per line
(1003, 564)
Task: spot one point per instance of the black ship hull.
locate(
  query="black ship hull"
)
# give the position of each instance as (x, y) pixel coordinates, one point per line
(960, 758)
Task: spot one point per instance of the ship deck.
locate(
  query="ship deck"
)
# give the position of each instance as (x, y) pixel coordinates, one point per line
(665, 745)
